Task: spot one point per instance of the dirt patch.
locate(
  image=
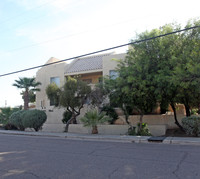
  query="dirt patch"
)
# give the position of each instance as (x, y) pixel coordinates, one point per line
(176, 133)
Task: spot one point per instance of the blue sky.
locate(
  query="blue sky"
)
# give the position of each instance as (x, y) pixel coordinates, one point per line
(32, 31)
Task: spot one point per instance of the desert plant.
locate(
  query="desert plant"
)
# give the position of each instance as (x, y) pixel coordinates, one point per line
(92, 118)
(111, 113)
(4, 117)
(16, 120)
(144, 131)
(33, 119)
(191, 125)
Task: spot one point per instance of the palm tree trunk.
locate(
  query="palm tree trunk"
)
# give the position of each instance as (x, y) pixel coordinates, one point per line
(94, 130)
(26, 100)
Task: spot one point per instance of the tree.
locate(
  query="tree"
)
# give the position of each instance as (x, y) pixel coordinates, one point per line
(136, 83)
(117, 96)
(166, 69)
(187, 70)
(93, 118)
(28, 85)
(72, 96)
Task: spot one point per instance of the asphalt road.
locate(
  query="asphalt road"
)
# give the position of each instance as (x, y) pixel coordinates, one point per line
(32, 157)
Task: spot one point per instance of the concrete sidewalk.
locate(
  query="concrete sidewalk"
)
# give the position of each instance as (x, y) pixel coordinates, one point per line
(111, 138)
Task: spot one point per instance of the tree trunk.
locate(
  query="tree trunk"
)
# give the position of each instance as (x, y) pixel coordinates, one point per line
(71, 120)
(175, 116)
(140, 124)
(126, 114)
(26, 100)
(94, 130)
(163, 106)
(187, 109)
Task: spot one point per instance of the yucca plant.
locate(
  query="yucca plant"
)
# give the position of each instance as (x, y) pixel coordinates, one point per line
(92, 118)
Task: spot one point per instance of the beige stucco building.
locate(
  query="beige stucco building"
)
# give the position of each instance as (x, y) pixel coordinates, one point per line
(90, 69)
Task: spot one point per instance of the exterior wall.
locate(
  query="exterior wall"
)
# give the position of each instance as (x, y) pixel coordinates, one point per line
(54, 121)
(54, 115)
(110, 62)
(43, 75)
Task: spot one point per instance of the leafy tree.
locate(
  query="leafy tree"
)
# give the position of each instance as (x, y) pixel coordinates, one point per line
(53, 92)
(110, 111)
(187, 70)
(117, 96)
(136, 83)
(163, 54)
(72, 96)
(28, 85)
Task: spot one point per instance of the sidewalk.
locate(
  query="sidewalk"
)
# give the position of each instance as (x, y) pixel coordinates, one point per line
(111, 138)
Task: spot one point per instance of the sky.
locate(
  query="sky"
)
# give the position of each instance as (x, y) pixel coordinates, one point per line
(32, 31)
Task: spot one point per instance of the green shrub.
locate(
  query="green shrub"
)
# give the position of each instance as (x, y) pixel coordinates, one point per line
(144, 131)
(5, 115)
(132, 130)
(110, 111)
(16, 120)
(33, 119)
(191, 125)
(66, 116)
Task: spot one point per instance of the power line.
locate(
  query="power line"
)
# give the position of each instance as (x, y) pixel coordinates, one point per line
(99, 51)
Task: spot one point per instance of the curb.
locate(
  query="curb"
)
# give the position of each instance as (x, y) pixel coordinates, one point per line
(109, 138)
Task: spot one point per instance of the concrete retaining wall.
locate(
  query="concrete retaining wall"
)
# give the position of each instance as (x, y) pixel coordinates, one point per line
(156, 130)
(164, 119)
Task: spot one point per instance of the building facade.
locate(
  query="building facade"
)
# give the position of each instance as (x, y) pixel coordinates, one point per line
(90, 69)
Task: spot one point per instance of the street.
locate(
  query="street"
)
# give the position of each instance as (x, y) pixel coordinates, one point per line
(32, 157)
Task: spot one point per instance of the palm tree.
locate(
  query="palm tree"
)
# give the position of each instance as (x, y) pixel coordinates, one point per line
(92, 118)
(29, 85)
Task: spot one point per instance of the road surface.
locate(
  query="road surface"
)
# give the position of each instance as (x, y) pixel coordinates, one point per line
(31, 157)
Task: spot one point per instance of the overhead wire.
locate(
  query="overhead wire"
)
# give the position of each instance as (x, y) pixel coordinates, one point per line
(100, 51)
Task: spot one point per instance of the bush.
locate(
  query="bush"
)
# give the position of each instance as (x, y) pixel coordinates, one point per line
(144, 131)
(33, 119)
(5, 115)
(16, 120)
(111, 113)
(191, 125)
(66, 116)
(132, 130)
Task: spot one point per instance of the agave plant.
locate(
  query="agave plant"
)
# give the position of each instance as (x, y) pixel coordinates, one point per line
(92, 118)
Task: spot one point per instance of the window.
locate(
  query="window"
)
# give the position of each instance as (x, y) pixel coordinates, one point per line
(113, 74)
(55, 80)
